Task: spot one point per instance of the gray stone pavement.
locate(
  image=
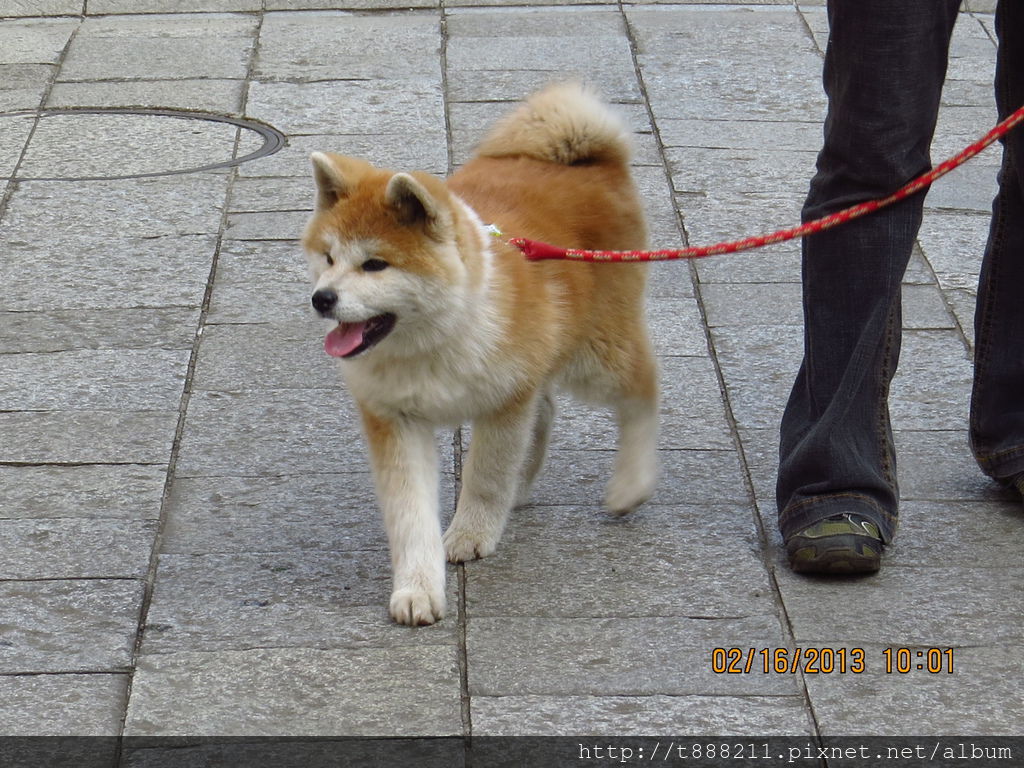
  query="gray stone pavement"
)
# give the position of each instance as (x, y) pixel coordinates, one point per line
(188, 539)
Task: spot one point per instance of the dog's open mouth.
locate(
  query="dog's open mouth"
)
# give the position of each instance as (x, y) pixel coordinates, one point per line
(351, 339)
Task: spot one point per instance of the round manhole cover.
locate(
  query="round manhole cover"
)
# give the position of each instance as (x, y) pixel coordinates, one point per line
(115, 143)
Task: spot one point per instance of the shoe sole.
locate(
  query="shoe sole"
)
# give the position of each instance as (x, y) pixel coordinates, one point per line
(839, 555)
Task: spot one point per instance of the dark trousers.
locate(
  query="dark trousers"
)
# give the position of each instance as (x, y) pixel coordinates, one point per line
(884, 69)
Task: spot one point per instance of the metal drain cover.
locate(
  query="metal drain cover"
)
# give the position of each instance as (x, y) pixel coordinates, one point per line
(121, 143)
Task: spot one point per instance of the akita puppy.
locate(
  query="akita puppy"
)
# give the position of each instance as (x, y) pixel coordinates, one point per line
(439, 322)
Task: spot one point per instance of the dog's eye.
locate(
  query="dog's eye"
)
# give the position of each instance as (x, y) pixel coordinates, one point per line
(330, 259)
(374, 265)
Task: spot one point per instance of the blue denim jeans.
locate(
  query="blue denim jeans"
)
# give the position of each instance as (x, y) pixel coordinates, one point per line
(884, 69)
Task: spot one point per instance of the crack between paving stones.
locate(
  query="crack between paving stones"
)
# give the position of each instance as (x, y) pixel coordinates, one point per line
(719, 373)
(48, 673)
(460, 569)
(231, 176)
(12, 181)
(784, 614)
(70, 578)
(947, 302)
(62, 464)
(622, 694)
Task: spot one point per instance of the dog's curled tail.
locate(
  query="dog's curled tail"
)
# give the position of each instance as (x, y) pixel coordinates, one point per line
(565, 123)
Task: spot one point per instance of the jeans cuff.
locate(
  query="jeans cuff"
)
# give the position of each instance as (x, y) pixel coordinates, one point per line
(1002, 465)
(795, 517)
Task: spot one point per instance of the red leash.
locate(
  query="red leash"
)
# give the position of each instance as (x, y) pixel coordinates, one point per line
(536, 251)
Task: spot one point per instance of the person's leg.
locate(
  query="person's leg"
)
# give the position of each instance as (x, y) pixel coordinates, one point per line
(884, 69)
(997, 403)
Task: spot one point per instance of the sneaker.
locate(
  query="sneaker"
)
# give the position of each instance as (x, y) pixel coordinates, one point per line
(844, 543)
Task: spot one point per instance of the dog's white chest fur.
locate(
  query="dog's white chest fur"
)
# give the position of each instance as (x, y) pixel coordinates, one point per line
(448, 388)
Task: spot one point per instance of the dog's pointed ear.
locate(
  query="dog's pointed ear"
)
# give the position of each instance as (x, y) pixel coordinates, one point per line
(331, 184)
(415, 205)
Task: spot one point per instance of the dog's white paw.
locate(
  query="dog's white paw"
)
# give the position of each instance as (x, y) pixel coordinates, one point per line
(461, 544)
(417, 607)
(626, 492)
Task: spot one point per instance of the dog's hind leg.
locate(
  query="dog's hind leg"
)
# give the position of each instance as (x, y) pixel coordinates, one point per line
(636, 411)
(538, 448)
(490, 481)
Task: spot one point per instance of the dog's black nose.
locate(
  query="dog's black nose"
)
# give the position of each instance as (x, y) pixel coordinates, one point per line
(324, 300)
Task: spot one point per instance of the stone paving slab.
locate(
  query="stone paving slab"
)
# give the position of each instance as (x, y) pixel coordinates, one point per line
(34, 42)
(691, 413)
(687, 477)
(514, 656)
(298, 692)
(581, 562)
(219, 96)
(266, 193)
(944, 620)
(63, 705)
(306, 599)
(88, 491)
(954, 244)
(697, 64)
(77, 548)
(298, 47)
(939, 465)
(301, 5)
(248, 437)
(395, 106)
(140, 210)
(68, 625)
(259, 282)
(273, 225)
(160, 47)
(639, 715)
(23, 85)
(560, 56)
(927, 398)
(849, 702)
(291, 357)
(16, 130)
(779, 263)
(116, 273)
(65, 330)
(135, 380)
(171, 6)
(675, 324)
(87, 437)
(289, 513)
(662, 229)
(16, 8)
(425, 150)
(946, 533)
(924, 309)
(757, 361)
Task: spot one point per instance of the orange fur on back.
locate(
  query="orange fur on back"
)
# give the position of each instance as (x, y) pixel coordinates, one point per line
(593, 206)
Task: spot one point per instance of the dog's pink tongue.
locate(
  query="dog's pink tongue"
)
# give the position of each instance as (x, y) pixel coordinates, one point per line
(343, 339)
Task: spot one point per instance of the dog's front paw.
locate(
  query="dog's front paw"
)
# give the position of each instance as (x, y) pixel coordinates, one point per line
(461, 544)
(417, 607)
